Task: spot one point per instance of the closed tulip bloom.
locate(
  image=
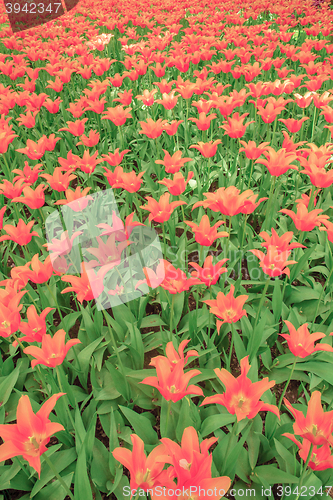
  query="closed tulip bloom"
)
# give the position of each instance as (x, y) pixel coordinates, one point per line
(242, 396)
(209, 274)
(178, 184)
(31, 433)
(160, 211)
(317, 425)
(227, 307)
(205, 234)
(278, 162)
(207, 149)
(301, 341)
(53, 350)
(305, 220)
(274, 262)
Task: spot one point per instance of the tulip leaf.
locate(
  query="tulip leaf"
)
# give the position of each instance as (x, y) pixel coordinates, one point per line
(273, 475)
(214, 422)
(8, 384)
(60, 460)
(82, 488)
(141, 425)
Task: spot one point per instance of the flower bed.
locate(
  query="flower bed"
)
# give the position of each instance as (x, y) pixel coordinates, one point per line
(166, 252)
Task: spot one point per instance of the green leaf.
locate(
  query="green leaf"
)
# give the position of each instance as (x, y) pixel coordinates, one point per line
(82, 488)
(85, 356)
(273, 475)
(8, 384)
(253, 441)
(55, 490)
(60, 460)
(288, 457)
(214, 422)
(100, 471)
(141, 426)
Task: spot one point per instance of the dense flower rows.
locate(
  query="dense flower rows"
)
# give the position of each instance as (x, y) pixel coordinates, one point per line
(198, 365)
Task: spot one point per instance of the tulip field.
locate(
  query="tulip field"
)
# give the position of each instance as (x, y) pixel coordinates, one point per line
(166, 251)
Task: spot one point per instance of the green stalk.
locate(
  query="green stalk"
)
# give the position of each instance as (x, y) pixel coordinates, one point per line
(263, 295)
(304, 470)
(288, 381)
(167, 418)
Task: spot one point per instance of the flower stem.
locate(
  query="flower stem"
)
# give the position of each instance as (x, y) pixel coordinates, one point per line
(167, 418)
(288, 381)
(262, 298)
(304, 470)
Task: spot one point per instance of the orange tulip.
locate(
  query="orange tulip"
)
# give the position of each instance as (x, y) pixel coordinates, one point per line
(305, 220)
(227, 307)
(31, 433)
(178, 184)
(160, 211)
(53, 350)
(205, 234)
(33, 198)
(274, 262)
(145, 472)
(316, 427)
(209, 274)
(20, 234)
(301, 341)
(207, 149)
(173, 163)
(234, 126)
(242, 397)
(278, 162)
(229, 201)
